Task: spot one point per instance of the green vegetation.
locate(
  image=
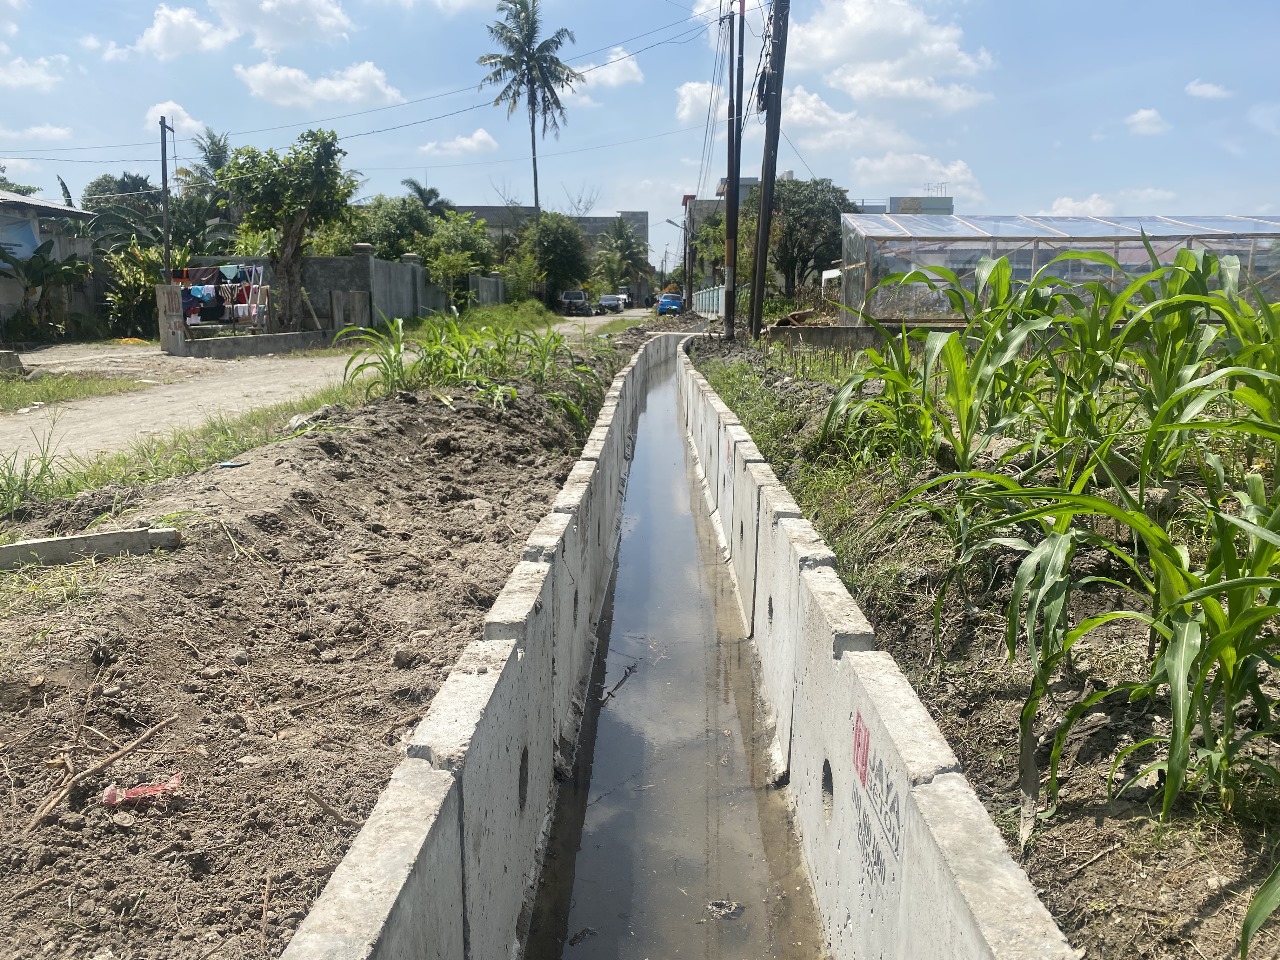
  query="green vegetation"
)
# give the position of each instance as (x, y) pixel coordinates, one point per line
(16, 393)
(1137, 425)
(444, 354)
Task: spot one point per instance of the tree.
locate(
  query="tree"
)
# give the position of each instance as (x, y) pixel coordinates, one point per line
(528, 69)
(130, 194)
(429, 197)
(805, 237)
(301, 190)
(460, 233)
(40, 275)
(555, 242)
(7, 184)
(619, 245)
(708, 245)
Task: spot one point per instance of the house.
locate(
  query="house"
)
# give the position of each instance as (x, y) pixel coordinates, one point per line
(27, 222)
(504, 222)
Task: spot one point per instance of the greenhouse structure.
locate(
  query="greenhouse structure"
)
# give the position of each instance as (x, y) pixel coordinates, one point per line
(878, 245)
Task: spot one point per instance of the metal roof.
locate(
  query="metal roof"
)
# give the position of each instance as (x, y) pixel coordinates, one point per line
(885, 226)
(8, 199)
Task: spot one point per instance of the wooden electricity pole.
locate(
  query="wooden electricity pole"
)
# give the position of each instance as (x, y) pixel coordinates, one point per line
(733, 183)
(771, 105)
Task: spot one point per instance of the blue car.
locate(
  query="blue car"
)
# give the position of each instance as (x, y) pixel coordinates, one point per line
(670, 303)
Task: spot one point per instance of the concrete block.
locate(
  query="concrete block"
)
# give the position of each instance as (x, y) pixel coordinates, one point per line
(737, 449)
(582, 499)
(749, 479)
(111, 543)
(397, 894)
(787, 547)
(491, 726)
(861, 741)
(967, 898)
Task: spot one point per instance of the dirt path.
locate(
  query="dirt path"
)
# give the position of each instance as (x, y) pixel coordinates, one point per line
(189, 392)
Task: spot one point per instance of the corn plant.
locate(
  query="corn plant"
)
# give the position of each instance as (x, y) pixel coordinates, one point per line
(392, 361)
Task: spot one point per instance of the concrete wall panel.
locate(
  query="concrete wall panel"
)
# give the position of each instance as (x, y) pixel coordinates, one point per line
(397, 894)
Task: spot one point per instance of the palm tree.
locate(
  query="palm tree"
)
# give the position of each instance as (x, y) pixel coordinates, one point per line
(429, 197)
(620, 245)
(528, 69)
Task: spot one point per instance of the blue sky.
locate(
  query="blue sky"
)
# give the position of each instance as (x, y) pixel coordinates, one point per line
(1125, 107)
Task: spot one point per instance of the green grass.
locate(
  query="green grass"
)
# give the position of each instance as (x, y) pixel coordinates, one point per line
(46, 476)
(16, 393)
(620, 325)
(530, 315)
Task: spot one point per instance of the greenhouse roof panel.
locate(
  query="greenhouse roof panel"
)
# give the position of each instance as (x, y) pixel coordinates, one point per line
(941, 226)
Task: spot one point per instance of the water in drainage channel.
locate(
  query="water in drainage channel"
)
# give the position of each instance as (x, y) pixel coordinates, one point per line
(667, 840)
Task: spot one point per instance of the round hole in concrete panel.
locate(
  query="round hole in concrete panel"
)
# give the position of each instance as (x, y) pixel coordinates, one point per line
(771, 609)
(524, 779)
(828, 791)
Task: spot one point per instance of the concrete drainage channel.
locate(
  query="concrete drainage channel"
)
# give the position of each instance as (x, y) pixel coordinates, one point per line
(903, 859)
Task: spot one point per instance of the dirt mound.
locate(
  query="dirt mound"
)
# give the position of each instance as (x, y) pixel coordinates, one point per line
(327, 585)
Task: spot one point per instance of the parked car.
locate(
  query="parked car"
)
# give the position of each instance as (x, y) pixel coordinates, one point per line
(670, 303)
(611, 302)
(574, 302)
(625, 298)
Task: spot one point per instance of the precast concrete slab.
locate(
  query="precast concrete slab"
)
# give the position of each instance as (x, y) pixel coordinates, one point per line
(491, 726)
(749, 479)
(967, 898)
(397, 894)
(781, 554)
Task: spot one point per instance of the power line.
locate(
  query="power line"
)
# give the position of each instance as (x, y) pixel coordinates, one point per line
(393, 106)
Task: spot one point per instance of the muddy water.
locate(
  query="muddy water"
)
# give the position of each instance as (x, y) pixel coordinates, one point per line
(668, 842)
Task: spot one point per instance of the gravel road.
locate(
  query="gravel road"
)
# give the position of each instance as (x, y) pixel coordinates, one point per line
(186, 392)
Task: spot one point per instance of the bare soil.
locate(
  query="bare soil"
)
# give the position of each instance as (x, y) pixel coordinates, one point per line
(324, 590)
(1119, 883)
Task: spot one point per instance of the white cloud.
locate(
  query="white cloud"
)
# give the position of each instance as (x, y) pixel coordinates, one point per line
(176, 32)
(90, 42)
(619, 68)
(622, 71)
(1265, 118)
(1147, 122)
(1206, 91)
(43, 73)
(15, 167)
(691, 101)
(291, 87)
(273, 25)
(43, 131)
(276, 24)
(1094, 205)
(1130, 202)
(826, 127)
(462, 145)
(889, 49)
(176, 116)
(907, 173)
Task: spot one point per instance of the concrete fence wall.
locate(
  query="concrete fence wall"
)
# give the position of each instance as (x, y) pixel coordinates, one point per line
(448, 862)
(905, 861)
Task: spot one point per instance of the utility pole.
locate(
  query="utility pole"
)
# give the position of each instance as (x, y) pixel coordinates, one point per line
(771, 104)
(733, 183)
(164, 196)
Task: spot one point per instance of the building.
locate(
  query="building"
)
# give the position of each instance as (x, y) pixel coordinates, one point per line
(877, 245)
(26, 223)
(505, 222)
